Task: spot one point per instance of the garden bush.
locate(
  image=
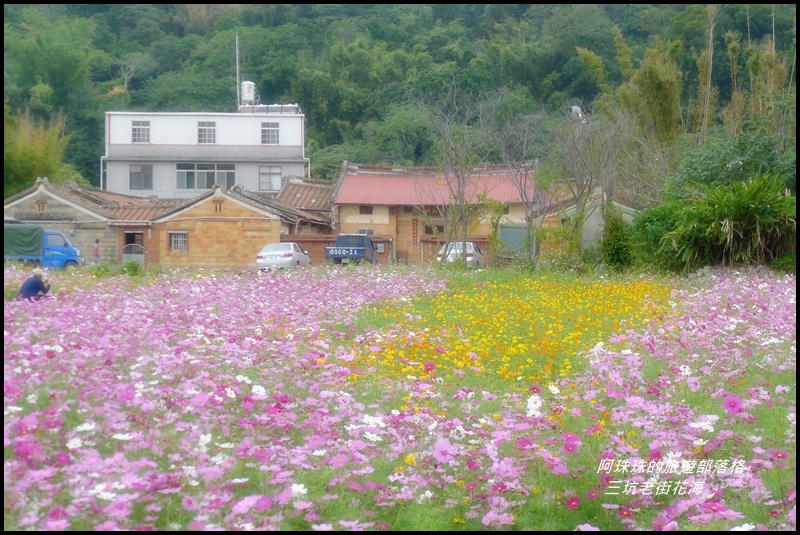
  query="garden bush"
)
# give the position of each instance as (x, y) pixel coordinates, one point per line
(648, 229)
(615, 246)
(752, 222)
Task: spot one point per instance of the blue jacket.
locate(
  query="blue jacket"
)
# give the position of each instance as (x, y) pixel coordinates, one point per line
(31, 287)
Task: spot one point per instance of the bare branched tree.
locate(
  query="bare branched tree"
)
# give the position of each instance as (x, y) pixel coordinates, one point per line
(642, 167)
(134, 64)
(462, 124)
(519, 142)
(583, 156)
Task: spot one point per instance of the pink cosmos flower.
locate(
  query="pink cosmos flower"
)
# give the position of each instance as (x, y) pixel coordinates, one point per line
(779, 455)
(338, 460)
(714, 506)
(732, 404)
(443, 451)
(570, 446)
(188, 503)
(573, 502)
(499, 487)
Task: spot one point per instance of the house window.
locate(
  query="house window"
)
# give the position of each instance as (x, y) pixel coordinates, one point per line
(206, 132)
(140, 132)
(367, 231)
(141, 177)
(438, 229)
(205, 175)
(269, 178)
(365, 210)
(41, 206)
(270, 134)
(178, 241)
(226, 175)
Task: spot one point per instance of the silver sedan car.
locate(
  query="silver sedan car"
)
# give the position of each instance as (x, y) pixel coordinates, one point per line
(453, 251)
(282, 255)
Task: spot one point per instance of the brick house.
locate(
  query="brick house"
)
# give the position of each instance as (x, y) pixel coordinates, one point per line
(402, 207)
(227, 228)
(219, 228)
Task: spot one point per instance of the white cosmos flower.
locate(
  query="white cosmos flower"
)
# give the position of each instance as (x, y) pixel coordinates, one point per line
(74, 443)
(554, 390)
(425, 496)
(372, 437)
(298, 489)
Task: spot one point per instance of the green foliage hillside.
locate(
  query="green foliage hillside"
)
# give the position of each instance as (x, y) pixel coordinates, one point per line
(352, 68)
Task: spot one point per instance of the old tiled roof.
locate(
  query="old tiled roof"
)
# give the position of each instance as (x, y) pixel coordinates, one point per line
(314, 196)
(419, 186)
(287, 212)
(121, 207)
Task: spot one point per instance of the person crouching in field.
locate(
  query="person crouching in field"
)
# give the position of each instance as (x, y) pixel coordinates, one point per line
(35, 287)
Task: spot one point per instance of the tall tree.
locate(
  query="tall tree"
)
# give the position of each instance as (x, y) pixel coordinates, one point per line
(581, 164)
(463, 129)
(33, 149)
(705, 87)
(520, 144)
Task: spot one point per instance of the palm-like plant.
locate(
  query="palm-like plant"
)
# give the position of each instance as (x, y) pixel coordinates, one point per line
(743, 222)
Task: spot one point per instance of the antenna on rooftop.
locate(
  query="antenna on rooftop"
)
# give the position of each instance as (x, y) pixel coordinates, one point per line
(238, 94)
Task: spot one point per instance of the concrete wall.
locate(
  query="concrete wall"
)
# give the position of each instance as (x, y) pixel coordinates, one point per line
(173, 140)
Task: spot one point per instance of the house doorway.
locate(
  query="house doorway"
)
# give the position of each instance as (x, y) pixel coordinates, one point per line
(134, 247)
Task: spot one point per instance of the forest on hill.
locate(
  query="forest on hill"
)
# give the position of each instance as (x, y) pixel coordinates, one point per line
(680, 76)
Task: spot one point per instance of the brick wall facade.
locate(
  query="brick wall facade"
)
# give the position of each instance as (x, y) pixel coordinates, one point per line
(219, 233)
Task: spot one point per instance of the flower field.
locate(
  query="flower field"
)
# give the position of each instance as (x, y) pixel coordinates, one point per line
(401, 399)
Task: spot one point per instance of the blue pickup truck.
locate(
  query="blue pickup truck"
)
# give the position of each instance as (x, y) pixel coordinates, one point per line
(352, 249)
(43, 247)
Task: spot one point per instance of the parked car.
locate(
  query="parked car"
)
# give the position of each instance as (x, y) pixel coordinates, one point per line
(453, 251)
(352, 248)
(282, 255)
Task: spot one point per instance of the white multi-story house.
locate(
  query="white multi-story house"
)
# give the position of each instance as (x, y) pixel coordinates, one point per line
(181, 155)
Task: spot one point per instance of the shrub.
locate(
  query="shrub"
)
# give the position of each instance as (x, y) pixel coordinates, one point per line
(744, 222)
(132, 268)
(648, 229)
(615, 245)
(786, 263)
